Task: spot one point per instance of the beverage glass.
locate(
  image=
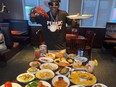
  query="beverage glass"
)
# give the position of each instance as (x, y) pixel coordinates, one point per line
(43, 50)
(37, 53)
(90, 66)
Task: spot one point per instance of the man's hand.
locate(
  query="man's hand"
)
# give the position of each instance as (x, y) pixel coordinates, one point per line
(41, 11)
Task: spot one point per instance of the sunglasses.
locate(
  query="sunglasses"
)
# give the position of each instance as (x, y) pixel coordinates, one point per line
(53, 4)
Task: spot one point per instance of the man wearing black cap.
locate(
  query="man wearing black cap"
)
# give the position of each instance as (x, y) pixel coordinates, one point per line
(54, 27)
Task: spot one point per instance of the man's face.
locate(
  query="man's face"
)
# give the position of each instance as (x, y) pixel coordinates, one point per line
(54, 7)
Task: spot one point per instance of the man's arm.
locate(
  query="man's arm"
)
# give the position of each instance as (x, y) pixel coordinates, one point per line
(37, 14)
(68, 21)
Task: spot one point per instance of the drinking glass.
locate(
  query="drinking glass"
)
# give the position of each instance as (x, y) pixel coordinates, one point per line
(37, 53)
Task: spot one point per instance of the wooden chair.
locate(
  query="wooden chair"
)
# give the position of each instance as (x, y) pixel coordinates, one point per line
(78, 44)
(90, 35)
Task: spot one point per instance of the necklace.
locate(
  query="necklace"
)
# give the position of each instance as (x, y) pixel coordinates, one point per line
(52, 18)
(53, 26)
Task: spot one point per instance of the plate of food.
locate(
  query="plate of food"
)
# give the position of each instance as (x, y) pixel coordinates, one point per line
(52, 55)
(32, 70)
(60, 81)
(34, 63)
(50, 66)
(81, 59)
(10, 84)
(45, 59)
(45, 74)
(71, 55)
(70, 60)
(99, 85)
(82, 78)
(77, 86)
(25, 77)
(64, 71)
(58, 54)
(79, 66)
(38, 83)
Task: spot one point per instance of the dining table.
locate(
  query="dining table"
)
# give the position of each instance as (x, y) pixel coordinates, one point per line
(23, 84)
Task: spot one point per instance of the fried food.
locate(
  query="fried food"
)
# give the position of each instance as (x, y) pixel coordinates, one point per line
(60, 83)
(78, 14)
(40, 84)
(50, 55)
(64, 70)
(58, 54)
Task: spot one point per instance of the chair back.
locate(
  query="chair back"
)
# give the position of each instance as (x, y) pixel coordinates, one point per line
(90, 38)
(78, 44)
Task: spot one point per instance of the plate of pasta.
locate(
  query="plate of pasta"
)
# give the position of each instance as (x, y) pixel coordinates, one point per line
(45, 74)
(50, 66)
(25, 77)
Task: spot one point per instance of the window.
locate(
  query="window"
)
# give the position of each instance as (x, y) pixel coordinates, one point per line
(113, 19)
(101, 11)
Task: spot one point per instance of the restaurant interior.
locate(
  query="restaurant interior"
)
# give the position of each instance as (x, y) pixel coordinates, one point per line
(90, 42)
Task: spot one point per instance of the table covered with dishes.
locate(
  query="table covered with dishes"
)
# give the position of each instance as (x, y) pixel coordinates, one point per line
(58, 69)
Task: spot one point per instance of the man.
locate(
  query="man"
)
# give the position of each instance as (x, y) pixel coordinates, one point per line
(54, 26)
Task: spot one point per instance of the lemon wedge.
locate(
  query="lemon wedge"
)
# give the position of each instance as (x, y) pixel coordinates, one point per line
(95, 62)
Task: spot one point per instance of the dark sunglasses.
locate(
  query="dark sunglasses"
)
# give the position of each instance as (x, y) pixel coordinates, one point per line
(53, 4)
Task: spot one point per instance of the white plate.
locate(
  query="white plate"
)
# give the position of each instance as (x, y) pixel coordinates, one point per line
(33, 72)
(45, 74)
(50, 66)
(13, 85)
(79, 17)
(58, 72)
(81, 59)
(45, 59)
(21, 77)
(64, 77)
(43, 82)
(33, 65)
(77, 86)
(102, 85)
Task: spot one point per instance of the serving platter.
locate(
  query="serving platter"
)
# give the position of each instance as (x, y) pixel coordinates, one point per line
(82, 78)
(13, 85)
(84, 16)
(25, 77)
(45, 74)
(50, 66)
(45, 59)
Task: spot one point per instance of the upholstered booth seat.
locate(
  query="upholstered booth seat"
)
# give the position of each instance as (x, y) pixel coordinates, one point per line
(12, 47)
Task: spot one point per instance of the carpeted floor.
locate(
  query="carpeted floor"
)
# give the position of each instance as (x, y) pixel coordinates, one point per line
(105, 71)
